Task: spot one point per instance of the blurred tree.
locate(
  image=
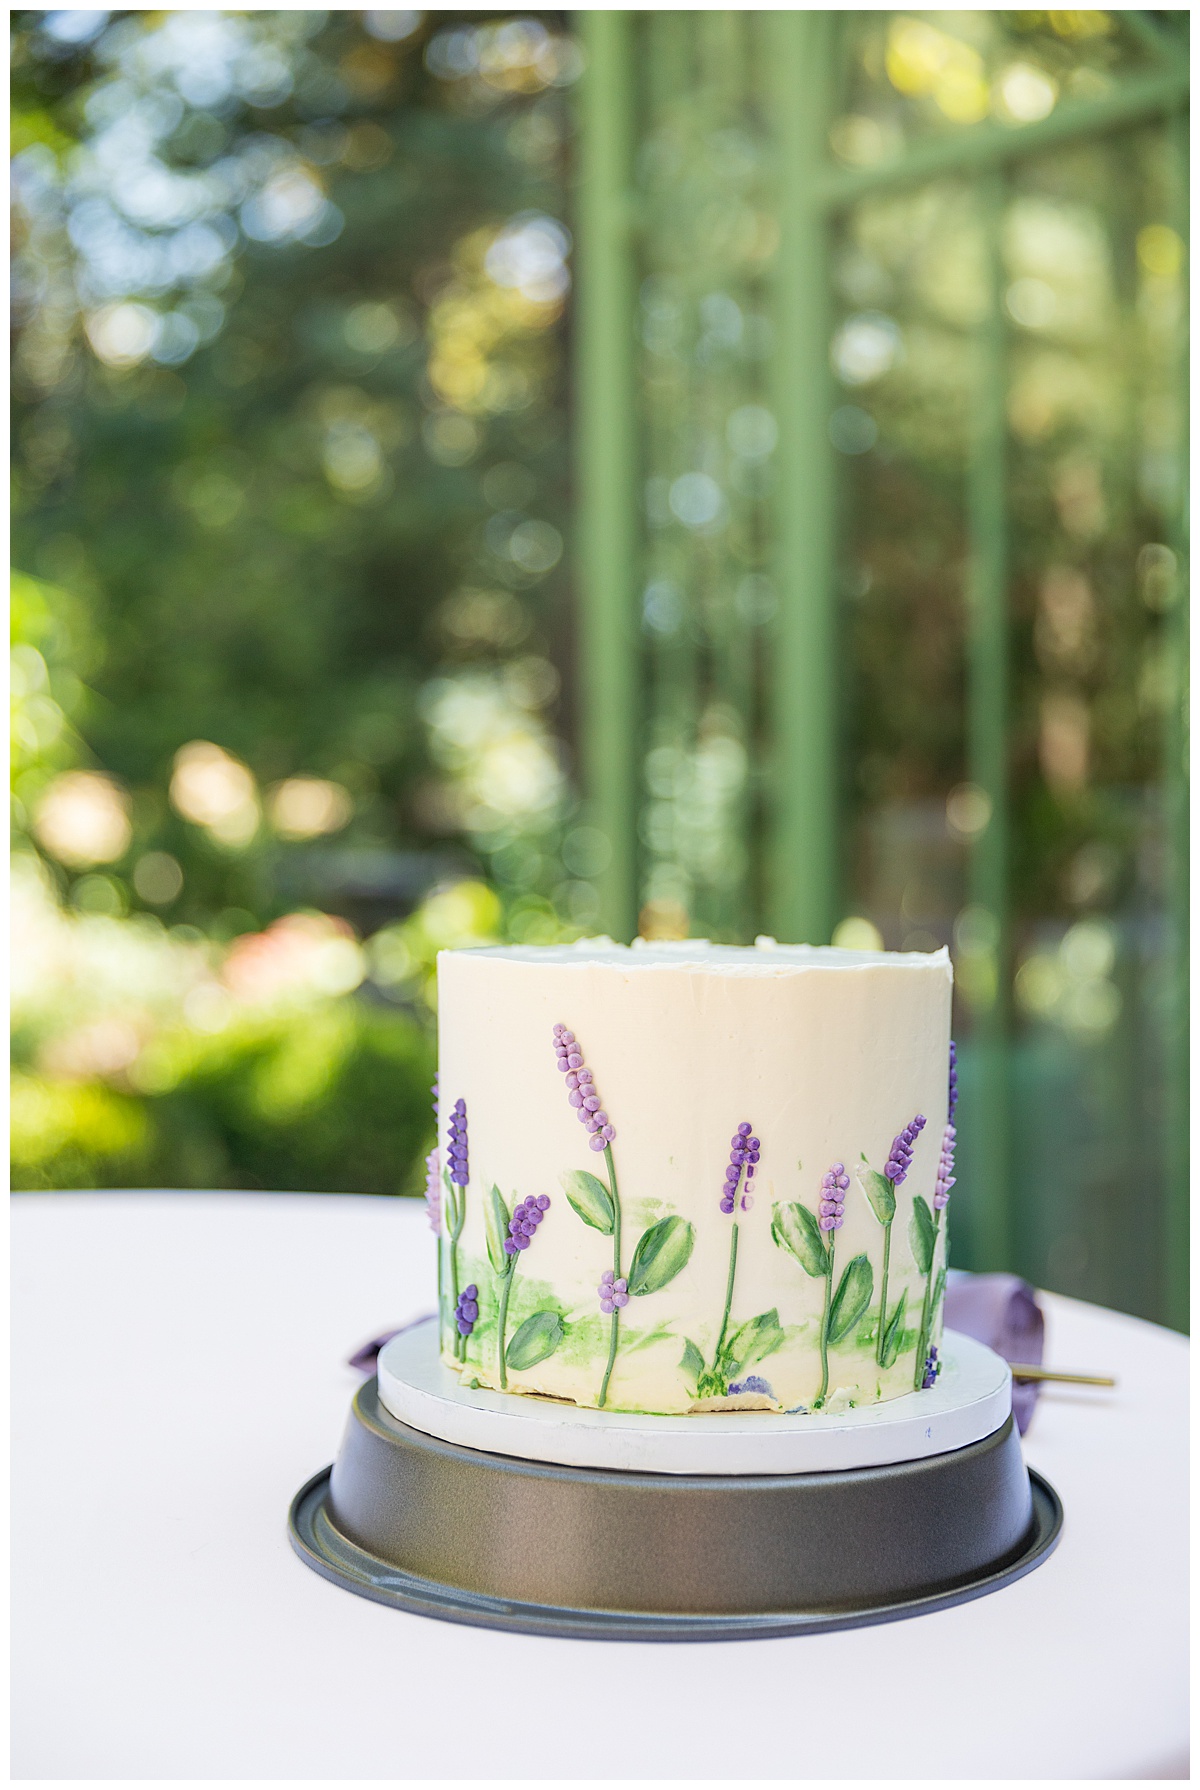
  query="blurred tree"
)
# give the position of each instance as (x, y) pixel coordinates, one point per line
(289, 422)
(290, 486)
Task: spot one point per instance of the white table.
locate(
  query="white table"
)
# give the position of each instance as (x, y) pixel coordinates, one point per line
(163, 1627)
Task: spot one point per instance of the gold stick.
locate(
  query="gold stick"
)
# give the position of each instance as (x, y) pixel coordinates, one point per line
(1022, 1370)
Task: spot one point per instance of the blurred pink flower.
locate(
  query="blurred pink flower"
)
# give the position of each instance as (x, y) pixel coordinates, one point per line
(299, 955)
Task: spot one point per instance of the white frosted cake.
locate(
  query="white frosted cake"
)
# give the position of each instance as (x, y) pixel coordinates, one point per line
(681, 1178)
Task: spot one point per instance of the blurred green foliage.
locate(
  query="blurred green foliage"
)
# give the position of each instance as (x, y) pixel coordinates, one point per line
(338, 1105)
(290, 480)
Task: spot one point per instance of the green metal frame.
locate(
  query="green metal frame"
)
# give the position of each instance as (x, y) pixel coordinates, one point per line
(607, 458)
(803, 869)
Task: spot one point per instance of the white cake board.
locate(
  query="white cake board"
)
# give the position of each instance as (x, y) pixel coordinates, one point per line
(971, 1399)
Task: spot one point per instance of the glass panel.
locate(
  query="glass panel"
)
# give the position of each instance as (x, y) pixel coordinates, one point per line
(708, 436)
(1092, 291)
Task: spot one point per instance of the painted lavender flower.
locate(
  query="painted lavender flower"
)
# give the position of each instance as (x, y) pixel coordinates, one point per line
(953, 1095)
(457, 1134)
(945, 1175)
(513, 1237)
(466, 1310)
(596, 1204)
(901, 1153)
(751, 1341)
(880, 1190)
(455, 1179)
(433, 1191)
(614, 1294)
(932, 1368)
(582, 1090)
(812, 1238)
(928, 1227)
(662, 1250)
(832, 1209)
(524, 1222)
(743, 1160)
(754, 1383)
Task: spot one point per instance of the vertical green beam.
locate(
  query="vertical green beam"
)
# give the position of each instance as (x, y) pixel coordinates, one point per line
(987, 736)
(1176, 1262)
(802, 868)
(606, 456)
(720, 388)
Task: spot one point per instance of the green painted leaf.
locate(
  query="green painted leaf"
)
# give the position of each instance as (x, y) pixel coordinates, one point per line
(795, 1229)
(538, 1337)
(495, 1223)
(880, 1192)
(661, 1252)
(851, 1299)
(591, 1199)
(692, 1361)
(893, 1333)
(921, 1234)
(753, 1341)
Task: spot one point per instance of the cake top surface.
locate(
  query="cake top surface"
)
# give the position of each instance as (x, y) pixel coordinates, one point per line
(764, 958)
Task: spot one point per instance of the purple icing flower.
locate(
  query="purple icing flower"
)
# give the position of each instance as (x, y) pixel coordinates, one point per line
(524, 1222)
(456, 1133)
(743, 1160)
(753, 1384)
(834, 1183)
(932, 1368)
(945, 1175)
(613, 1293)
(433, 1192)
(467, 1310)
(901, 1153)
(953, 1080)
(581, 1089)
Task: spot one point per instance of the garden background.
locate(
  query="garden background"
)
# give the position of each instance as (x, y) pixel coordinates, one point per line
(496, 476)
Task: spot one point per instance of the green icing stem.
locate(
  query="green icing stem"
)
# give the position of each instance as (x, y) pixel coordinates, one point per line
(820, 1398)
(503, 1319)
(733, 1242)
(458, 1214)
(887, 1253)
(612, 1335)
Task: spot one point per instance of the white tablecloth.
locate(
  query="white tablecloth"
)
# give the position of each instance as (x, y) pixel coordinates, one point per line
(180, 1370)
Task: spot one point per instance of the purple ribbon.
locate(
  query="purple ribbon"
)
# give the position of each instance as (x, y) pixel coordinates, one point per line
(1001, 1311)
(366, 1359)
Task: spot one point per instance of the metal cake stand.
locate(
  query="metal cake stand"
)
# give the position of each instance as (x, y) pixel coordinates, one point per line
(468, 1533)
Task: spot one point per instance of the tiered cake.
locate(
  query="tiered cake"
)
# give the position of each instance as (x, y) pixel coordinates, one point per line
(680, 1178)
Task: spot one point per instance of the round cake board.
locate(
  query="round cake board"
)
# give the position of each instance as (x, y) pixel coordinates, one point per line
(971, 1399)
